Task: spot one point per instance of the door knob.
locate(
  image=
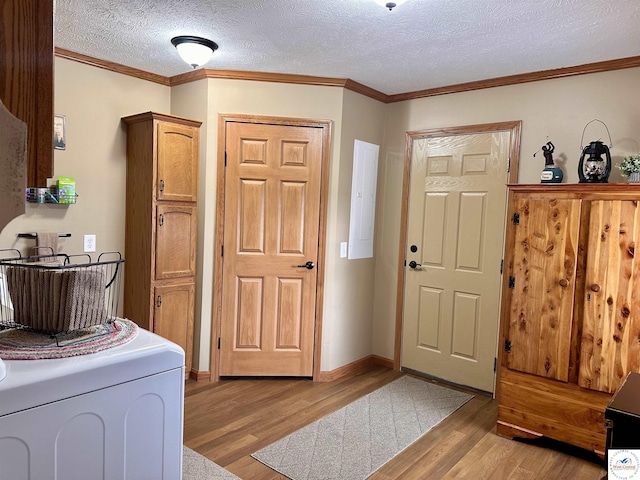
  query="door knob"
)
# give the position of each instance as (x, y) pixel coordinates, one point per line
(413, 264)
(308, 266)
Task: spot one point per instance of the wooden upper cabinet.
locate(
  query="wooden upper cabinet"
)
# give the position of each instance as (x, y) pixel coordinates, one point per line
(610, 346)
(177, 162)
(542, 279)
(26, 78)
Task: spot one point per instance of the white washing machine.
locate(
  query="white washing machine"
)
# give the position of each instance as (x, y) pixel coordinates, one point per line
(112, 415)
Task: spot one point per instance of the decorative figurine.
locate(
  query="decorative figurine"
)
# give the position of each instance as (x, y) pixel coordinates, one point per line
(551, 173)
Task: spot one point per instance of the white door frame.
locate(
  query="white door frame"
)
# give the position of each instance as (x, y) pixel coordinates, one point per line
(514, 127)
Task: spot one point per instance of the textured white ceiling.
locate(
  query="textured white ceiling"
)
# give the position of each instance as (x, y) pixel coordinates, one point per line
(419, 45)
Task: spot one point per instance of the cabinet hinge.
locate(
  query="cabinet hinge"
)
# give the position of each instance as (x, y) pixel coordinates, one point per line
(218, 343)
(512, 282)
(516, 218)
(507, 346)
(501, 266)
(495, 364)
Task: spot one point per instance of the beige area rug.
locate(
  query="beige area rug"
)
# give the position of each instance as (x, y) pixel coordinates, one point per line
(357, 440)
(198, 467)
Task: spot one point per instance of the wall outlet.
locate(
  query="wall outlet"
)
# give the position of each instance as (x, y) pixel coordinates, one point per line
(89, 243)
(343, 249)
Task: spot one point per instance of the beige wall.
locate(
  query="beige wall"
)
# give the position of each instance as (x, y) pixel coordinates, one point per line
(550, 110)
(359, 304)
(347, 310)
(348, 306)
(189, 100)
(93, 101)
(256, 98)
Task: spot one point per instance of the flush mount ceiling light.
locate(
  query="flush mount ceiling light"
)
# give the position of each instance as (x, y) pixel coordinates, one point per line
(390, 5)
(196, 51)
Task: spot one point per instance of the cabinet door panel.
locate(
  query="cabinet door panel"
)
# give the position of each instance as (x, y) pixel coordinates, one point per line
(173, 316)
(175, 242)
(177, 163)
(610, 346)
(544, 270)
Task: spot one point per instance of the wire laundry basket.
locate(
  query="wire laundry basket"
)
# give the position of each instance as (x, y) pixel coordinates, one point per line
(59, 293)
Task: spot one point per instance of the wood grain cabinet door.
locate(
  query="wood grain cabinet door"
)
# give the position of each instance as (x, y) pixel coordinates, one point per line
(175, 241)
(177, 160)
(173, 316)
(542, 276)
(610, 346)
(27, 79)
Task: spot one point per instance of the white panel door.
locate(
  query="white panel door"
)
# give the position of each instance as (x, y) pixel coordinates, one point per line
(455, 231)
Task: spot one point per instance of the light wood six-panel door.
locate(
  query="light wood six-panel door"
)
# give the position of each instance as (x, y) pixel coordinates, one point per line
(272, 209)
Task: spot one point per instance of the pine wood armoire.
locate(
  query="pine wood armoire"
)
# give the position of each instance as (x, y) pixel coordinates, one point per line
(161, 226)
(570, 322)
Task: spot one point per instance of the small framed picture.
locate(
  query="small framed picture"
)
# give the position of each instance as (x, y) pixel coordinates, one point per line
(59, 132)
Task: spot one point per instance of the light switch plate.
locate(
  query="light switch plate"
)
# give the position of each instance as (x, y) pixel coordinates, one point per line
(343, 249)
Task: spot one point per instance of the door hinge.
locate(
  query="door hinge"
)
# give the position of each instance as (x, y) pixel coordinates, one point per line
(222, 250)
(495, 364)
(507, 346)
(501, 266)
(512, 282)
(516, 218)
(218, 343)
(225, 159)
(508, 164)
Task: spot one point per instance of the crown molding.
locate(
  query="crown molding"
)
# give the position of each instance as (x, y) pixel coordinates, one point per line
(112, 66)
(597, 67)
(256, 76)
(201, 74)
(279, 78)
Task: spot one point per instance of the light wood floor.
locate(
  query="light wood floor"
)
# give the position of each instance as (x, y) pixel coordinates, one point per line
(228, 420)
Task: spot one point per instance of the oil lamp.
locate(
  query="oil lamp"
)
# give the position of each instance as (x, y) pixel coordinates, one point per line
(594, 168)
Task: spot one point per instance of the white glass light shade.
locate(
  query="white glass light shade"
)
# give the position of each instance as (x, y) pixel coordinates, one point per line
(195, 51)
(390, 4)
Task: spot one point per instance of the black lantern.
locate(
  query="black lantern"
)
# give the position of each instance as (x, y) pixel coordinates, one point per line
(595, 169)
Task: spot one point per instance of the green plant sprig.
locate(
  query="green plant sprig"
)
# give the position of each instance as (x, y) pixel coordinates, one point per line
(629, 165)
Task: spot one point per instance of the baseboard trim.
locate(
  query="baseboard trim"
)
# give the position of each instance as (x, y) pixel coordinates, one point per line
(382, 362)
(200, 375)
(354, 367)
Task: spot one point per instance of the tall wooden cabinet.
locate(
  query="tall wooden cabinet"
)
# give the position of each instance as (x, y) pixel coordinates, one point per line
(161, 225)
(26, 78)
(570, 328)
